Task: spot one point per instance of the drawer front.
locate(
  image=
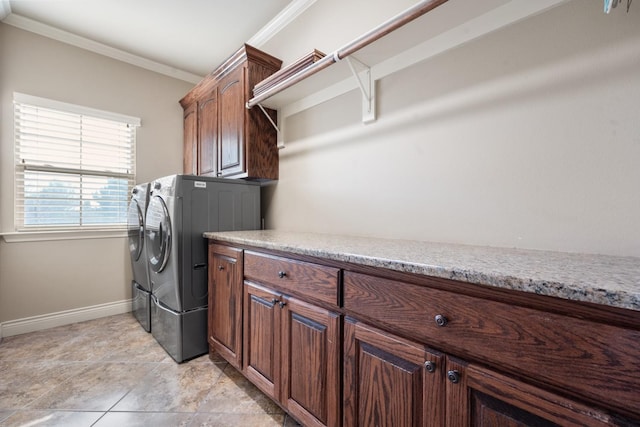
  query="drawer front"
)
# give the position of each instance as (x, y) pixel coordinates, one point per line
(304, 279)
(569, 353)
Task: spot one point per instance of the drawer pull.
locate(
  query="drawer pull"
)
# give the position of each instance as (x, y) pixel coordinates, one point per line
(282, 304)
(220, 267)
(274, 301)
(282, 274)
(454, 376)
(441, 320)
(430, 366)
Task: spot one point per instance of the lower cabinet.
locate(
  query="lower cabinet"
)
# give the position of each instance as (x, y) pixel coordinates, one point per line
(292, 353)
(225, 302)
(281, 321)
(390, 381)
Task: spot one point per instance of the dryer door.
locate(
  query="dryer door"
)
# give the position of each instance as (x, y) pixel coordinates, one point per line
(158, 234)
(135, 225)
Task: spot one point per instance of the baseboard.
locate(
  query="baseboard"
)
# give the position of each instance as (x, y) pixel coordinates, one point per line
(46, 321)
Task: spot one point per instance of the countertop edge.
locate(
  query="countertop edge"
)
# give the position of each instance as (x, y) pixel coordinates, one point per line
(576, 291)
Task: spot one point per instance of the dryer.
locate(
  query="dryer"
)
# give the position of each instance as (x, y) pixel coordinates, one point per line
(181, 209)
(140, 285)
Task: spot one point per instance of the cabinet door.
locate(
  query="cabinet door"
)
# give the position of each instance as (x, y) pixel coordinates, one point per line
(261, 362)
(232, 113)
(225, 302)
(190, 136)
(389, 381)
(208, 136)
(311, 363)
(479, 397)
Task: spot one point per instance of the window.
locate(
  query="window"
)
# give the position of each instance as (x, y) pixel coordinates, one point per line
(75, 166)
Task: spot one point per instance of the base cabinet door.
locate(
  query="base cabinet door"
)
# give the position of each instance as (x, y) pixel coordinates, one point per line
(389, 381)
(477, 396)
(225, 302)
(261, 363)
(292, 353)
(311, 363)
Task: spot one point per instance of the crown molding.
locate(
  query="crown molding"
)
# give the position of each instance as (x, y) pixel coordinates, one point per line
(96, 47)
(5, 9)
(284, 18)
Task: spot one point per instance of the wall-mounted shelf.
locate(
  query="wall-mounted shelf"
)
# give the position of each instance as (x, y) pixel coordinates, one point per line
(427, 29)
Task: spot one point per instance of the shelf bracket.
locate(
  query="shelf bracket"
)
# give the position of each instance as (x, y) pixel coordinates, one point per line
(275, 126)
(367, 86)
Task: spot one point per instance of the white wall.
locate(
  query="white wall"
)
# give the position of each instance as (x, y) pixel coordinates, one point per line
(38, 278)
(528, 137)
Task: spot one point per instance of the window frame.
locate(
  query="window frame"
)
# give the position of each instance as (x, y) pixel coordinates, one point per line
(24, 232)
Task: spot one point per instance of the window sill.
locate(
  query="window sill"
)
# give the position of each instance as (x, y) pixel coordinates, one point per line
(41, 236)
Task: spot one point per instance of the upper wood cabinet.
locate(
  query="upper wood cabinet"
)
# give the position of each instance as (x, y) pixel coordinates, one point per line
(221, 136)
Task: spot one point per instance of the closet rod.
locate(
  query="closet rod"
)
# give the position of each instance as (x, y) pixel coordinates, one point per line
(378, 32)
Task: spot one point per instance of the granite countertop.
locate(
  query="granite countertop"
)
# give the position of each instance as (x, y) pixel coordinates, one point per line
(601, 279)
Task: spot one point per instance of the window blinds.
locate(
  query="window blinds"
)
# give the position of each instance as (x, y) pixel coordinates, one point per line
(75, 166)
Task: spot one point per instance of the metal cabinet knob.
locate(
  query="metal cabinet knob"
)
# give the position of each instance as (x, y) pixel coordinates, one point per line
(274, 301)
(453, 376)
(441, 320)
(430, 366)
(220, 267)
(281, 274)
(282, 304)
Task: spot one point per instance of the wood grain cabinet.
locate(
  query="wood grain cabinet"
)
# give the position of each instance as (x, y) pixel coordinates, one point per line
(292, 347)
(544, 364)
(225, 302)
(336, 344)
(221, 136)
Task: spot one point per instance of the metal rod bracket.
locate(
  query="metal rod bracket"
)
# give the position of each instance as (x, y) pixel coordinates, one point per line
(367, 86)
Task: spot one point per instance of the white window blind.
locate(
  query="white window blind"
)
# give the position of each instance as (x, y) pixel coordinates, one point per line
(74, 166)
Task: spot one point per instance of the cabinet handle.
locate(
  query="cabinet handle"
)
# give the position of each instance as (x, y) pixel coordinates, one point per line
(430, 366)
(441, 320)
(282, 274)
(453, 376)
(282, 304)
(220, 267)
(274, 301)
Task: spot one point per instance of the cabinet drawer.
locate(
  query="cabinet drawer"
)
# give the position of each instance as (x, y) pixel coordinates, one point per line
(574, 355)
(300, 278)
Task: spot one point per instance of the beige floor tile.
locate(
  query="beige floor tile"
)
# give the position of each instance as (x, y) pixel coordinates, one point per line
(5, 414)
(23, 382)
(234, 394)
(51, 419)
(173, 387)
(144, 419)
(97, 388)
(236, 420)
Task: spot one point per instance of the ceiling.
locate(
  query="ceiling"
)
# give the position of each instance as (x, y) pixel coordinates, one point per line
(186, 38)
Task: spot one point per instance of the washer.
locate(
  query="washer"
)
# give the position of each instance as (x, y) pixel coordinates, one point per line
(140, 285)
(181, 209)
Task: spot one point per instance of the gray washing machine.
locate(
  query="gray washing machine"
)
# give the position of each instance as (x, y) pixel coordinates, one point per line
(140, 285)
(181, 208)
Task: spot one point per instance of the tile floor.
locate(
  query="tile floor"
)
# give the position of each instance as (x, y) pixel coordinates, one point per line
(110, 372)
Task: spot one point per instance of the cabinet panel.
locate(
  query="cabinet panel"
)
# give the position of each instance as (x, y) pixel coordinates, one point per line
(208, 134)
(481, 397)
(311, 363)
(232, 111)
(190, 146)
(518, 339)
(314, 281)
(225, 302)
(386, 381)
(262, 338)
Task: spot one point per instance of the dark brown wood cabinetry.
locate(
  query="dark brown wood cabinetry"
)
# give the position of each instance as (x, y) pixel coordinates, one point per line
(230, 140)
(292, 347)
(341, 344)
(225, 302)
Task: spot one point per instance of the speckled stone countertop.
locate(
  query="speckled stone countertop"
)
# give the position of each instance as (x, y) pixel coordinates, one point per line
(601, 279)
